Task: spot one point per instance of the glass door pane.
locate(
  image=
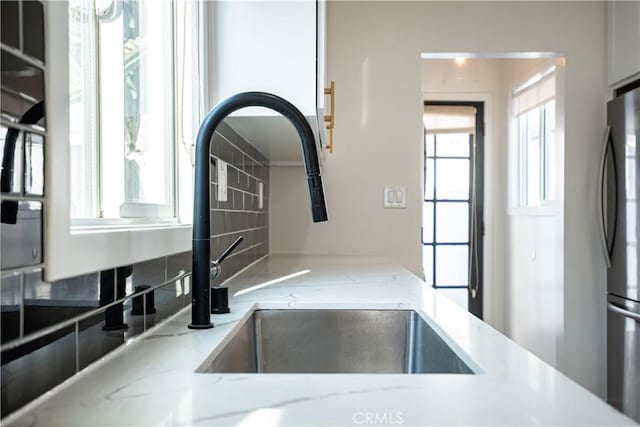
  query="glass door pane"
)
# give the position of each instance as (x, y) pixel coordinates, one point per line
(453, 222)
(427, 222)
(453, 145)
(452, 179)
(429, 181)
(452, 265)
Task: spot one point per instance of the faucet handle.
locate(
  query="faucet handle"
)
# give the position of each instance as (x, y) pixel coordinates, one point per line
(228, 251)
(215, 265)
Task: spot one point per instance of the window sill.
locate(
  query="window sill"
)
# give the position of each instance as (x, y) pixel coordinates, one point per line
(108, 225)
(89, 249)
(549, 209)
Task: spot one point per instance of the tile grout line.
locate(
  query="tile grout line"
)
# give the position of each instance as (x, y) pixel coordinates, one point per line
(245, 249)
(237, 231)
(240, 149)
(236, 189)
(235, 210)
(238, 169)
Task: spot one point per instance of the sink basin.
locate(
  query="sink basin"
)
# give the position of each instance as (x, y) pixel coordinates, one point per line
(335, 342)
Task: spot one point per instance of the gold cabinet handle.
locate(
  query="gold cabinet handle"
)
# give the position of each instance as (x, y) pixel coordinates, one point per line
(330, 119)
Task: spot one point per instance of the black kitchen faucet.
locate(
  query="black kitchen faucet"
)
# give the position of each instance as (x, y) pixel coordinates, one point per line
(200, 303)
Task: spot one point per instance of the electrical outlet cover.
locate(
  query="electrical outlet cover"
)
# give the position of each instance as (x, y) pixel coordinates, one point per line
(395, 197)
(222, 181)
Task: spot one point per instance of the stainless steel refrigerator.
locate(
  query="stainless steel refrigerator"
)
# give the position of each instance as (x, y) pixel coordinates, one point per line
(619, 193)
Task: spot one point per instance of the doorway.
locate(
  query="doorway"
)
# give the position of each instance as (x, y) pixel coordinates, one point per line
(452, 224)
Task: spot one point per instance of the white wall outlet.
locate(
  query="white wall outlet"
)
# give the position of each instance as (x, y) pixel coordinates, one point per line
(395, 197)
(222, 181)
(260, 195)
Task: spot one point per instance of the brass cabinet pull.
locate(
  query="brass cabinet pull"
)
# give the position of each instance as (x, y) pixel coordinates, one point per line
(330, 119)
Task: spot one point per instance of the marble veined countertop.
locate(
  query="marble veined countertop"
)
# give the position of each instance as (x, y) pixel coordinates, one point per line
(152, 382)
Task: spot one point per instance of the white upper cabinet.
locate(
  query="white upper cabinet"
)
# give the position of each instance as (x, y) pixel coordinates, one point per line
(322, 80)
(623, 40)
(271, 47)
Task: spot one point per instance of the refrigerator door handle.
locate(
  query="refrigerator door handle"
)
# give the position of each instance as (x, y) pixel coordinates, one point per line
(626, 313)
(607, 247)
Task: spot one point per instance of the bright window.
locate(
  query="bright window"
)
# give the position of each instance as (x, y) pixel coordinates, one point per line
(534, 111)
(129, 61)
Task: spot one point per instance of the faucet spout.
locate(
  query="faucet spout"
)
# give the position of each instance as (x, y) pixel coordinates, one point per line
(201, 254)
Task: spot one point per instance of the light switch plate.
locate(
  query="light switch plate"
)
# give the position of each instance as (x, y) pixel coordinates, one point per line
(395, 197)
(222, 181)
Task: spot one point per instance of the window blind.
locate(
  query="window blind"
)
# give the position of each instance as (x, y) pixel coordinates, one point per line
(439, 119)
(535, 95)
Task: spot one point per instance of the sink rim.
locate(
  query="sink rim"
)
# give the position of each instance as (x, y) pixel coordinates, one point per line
(475, 367)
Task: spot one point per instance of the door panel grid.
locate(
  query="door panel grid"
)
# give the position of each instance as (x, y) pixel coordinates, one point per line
(446, 210)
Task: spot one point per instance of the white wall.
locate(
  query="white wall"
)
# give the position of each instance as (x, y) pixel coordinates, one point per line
(535, 242)
(374, 57)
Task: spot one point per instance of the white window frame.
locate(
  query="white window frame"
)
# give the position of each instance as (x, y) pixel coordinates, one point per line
(518, 202)
(524, 175)
(72, 251)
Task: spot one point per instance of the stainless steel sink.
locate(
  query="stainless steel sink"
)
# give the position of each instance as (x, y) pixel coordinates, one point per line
(335, 341)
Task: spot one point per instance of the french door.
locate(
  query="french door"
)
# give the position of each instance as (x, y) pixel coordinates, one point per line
(452, 211)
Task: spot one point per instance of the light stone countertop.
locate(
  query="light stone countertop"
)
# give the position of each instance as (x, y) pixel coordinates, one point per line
(152, 382)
